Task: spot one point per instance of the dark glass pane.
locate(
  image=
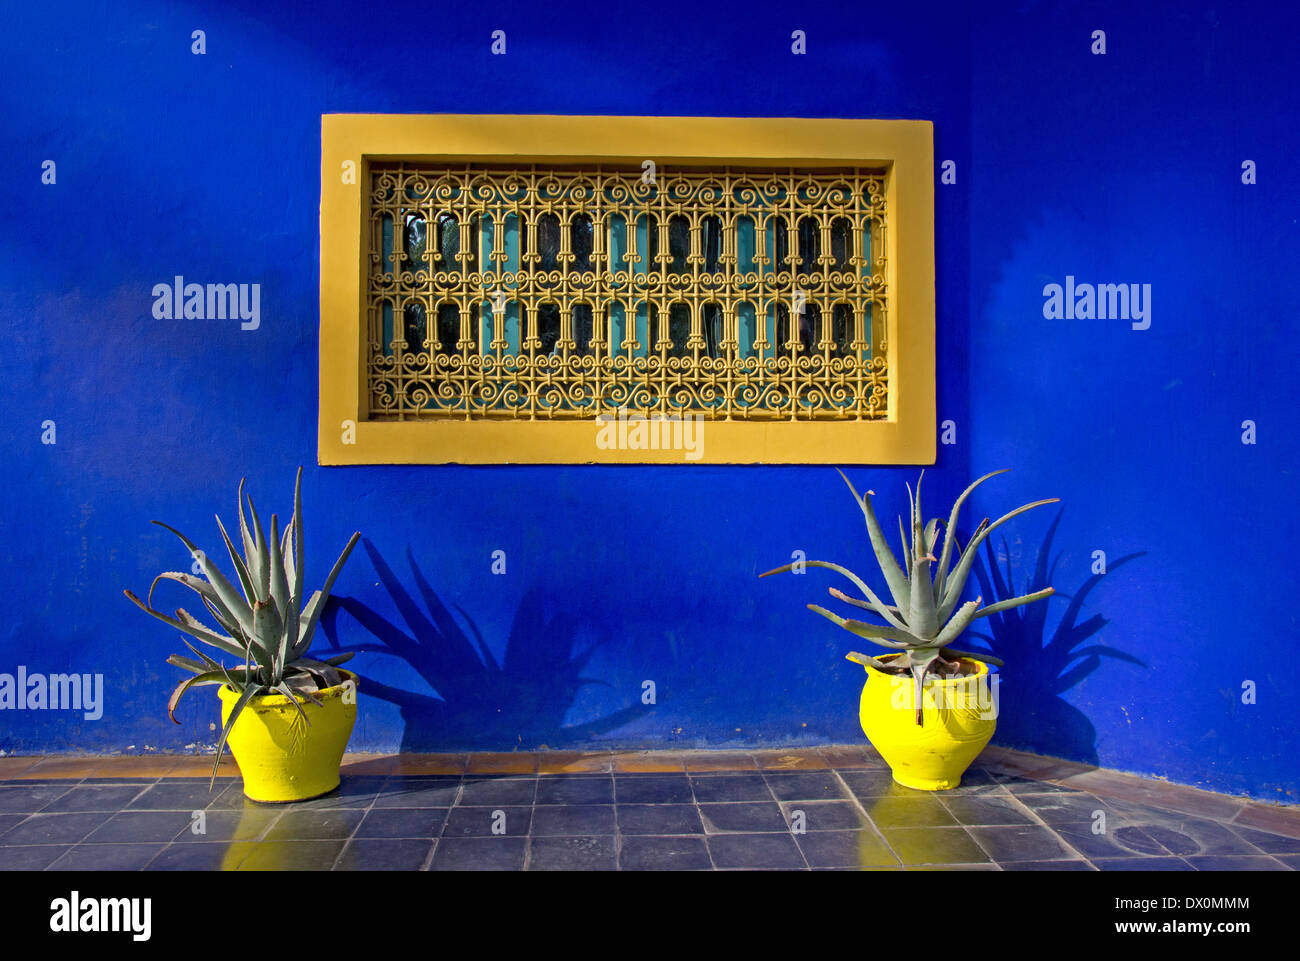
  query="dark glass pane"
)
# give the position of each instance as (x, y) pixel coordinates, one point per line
(713, 330)
(583, 236)
(805, 339)
(448, 328)
(712, 244)
(472, 263)
(415, 326)
(679, 329)
(548, 328)
(810, 321)
(809, 244)
(582, 329)
(841, 243)
(652, 242)
(448, 243)
(416, 235)
(781, 254)
(548, 241)
(679, 244)
(842, 330)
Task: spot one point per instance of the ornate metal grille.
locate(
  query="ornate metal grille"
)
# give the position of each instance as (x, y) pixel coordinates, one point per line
(547, 292)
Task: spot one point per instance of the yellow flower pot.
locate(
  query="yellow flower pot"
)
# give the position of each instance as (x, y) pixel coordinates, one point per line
(959, 716)
(281, 757)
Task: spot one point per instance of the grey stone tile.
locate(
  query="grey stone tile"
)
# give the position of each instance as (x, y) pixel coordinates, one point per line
(480, 854)
(1021, 842)
(1141, 864)
(464, 822)
(248, 824)
(824, 815)
(934, 845)
(1075, 865)
(107, 857)
(402, 823)
(575, 789)
(206, 856)
(315, 855)
(1236, 862)
(858, 849)
(576, 820)
(433, 792)
(94, 797)
(24, 799)
(711, 788)
(756, 851)
(31, 857)
(385, 854)
(977, 810)
(572, 854)
(481, 791)
(753, 817)
(659, 819)
(54, 828)
(315, 825)
(1267, 842)
(909, 812)
(807, 785)
(177, 796)
(140, 826)
(664, 854)
(652, 789)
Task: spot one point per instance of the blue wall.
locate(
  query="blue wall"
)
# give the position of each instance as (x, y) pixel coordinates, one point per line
(1117, 168)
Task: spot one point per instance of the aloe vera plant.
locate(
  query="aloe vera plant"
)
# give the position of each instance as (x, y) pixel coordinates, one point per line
(925, 618)
(268, 627)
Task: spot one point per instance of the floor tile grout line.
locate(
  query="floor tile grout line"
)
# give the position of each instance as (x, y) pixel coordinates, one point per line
(869, 819)
(1034, 814)
(355, 828)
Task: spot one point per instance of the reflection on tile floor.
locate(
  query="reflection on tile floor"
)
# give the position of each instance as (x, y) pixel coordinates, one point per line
(841, 810)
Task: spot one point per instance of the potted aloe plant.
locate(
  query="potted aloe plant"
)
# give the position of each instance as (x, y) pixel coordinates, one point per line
(286, 716)
(926, 707)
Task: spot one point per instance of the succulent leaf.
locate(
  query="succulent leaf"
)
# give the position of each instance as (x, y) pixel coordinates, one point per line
(884, 636)
(950, 532)
(1015, 602)
(895, 578)
(857, 658)
(953, 592)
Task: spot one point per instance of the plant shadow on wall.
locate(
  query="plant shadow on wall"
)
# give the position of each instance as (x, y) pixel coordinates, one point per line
(1040, 670)
(474, 702)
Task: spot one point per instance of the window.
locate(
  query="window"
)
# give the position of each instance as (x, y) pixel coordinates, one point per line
(519, 281)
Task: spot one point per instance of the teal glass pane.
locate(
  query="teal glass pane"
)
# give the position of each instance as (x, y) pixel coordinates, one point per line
(617, 244)
(617, 328)
(745, 245)
(643, 329)
(746, 328)
(513, 246)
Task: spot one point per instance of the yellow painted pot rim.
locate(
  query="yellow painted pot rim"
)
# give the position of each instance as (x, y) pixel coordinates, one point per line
(227, 693)
(981, 669)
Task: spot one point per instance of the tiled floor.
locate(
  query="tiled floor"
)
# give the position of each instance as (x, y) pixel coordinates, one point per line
(834, 808)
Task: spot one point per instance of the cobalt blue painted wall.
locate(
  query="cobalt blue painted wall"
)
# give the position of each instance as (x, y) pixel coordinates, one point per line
(1116, 168)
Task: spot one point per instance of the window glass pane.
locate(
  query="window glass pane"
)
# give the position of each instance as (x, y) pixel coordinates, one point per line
(548, 328)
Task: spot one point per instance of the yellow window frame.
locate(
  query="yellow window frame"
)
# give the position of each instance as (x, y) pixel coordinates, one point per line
(902, 148)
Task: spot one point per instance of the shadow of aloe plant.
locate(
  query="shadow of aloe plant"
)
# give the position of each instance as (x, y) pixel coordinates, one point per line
(1032, 713)
(474, 702)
